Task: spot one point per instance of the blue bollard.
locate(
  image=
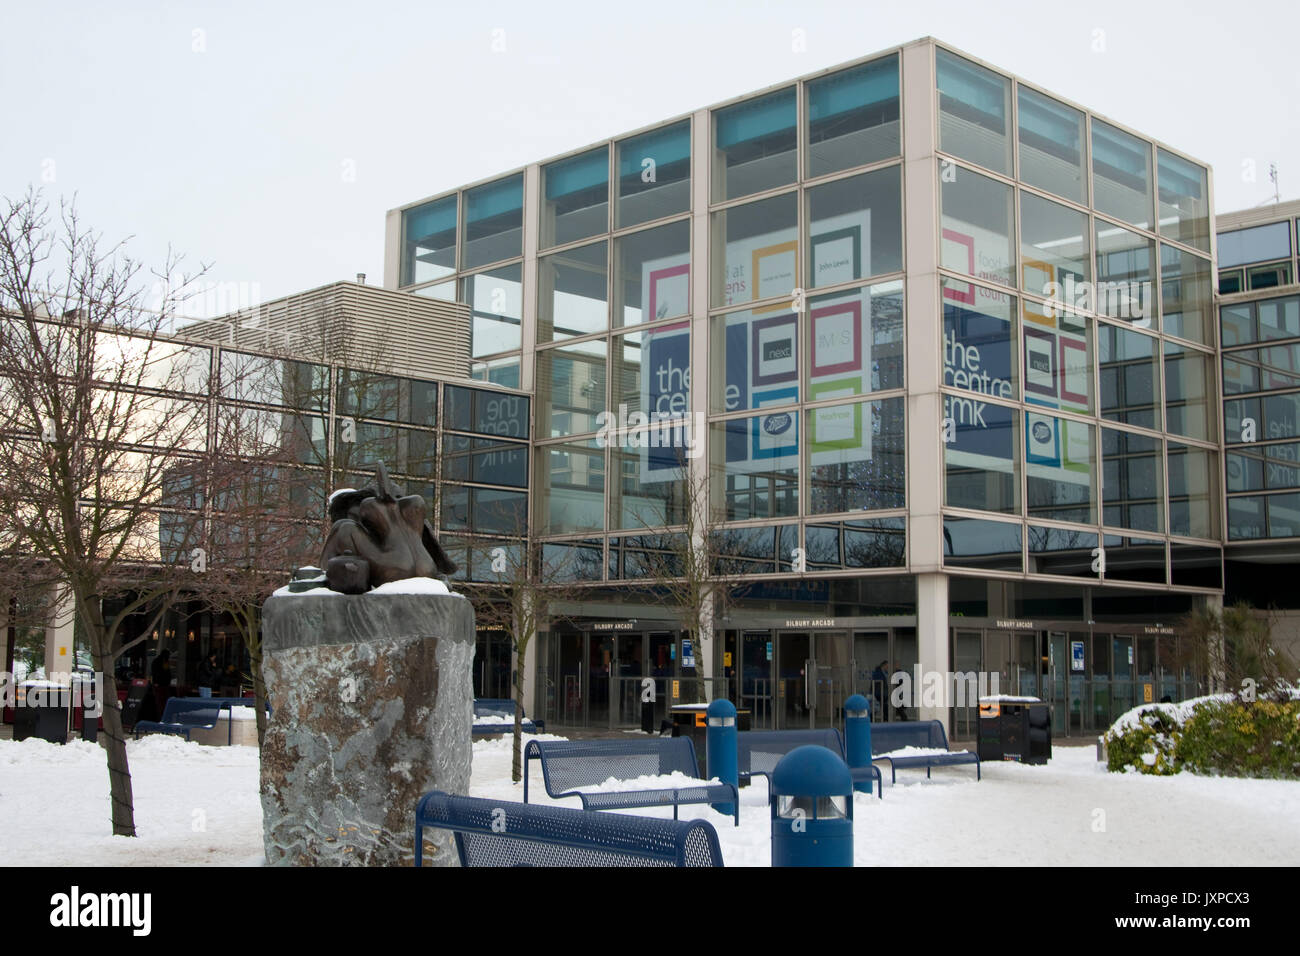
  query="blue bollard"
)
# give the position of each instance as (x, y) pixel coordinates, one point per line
(857, 738)
(721, 744)
(812, 809)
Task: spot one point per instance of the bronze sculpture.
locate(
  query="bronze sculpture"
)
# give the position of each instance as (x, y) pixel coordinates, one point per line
(376, 537)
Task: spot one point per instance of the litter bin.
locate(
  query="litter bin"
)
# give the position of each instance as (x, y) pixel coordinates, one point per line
(42, 712)
(1015, 728)
(691, 720)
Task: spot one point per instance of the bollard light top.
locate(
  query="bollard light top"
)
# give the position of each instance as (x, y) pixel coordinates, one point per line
(811, 771)
(857, 702)
(721, 708)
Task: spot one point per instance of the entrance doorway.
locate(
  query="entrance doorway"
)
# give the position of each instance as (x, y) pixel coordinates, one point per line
(815, 674)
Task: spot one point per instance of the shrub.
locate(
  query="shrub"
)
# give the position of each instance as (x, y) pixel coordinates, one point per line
(1219, 735)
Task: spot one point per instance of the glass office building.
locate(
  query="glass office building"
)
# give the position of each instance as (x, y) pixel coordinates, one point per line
(926, 353)
(1259, 329)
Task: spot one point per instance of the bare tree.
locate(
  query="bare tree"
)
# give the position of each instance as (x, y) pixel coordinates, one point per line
(93, 426)
(1234, 648)
(522, 582)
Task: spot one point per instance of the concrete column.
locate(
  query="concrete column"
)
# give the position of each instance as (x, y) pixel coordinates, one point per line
(932, 639)
(392, 248)
(59, 652)
(528, 321)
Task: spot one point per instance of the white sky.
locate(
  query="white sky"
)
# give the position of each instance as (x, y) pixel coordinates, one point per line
(238, 153)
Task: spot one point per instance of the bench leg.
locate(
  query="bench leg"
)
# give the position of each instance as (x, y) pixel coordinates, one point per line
(977, 771)
(674, 811)
(927, 772)
(419, 845)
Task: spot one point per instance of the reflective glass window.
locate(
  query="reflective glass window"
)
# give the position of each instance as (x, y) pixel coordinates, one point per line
(570, 389)
(1055, 246)
(1193, 491)
(760, 259)
(1257, 244)
(1056, 350)
(1060, 469)
(857, 457)
(855, 341)
(570, 487)
(974, 112)
(1184, 200)
(975, 543)
(856, 227)
(652, 274)
(1051, 145)
(1186, 295)
(978, 345)
(575, 198)
(496, 303)
(654, 174)
(757, 353)
(757, 142)
(1279, 318)
(494, 222)
(1121, 173)
(853, 117)
(572, 294)
(1132, 481)
(1062, 551)
(1189, 393)
(978, 228)
(1126, 287)
(487, 412)
(429, 241)
(982, 462)
(1130, 384)
(754, 466)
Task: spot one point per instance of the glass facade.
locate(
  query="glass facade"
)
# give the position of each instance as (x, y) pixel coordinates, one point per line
(1079, 430)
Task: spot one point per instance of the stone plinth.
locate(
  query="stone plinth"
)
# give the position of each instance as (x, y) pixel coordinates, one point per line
(372, 703)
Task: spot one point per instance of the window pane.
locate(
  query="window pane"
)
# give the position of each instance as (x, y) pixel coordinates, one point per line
(1246, 518)
(485, 412)
(1129, 385)
(856, 453)
(1185, 294)
(575, 198)
(1121, 171)
(1054, 246)
(757, 140)
(1237, 323)
(1280, 365)
(1051, 145)
(371, 395)
(978, 345)
(650, 481)
(570, 487)
(652, 275)
(754, 466)
(1235, 413)
(570, 389)
(974, 543)
(571, 293)
(272, 381)
(974, 106)
(1193, 566)
(485, 460)
(1134, 559)
(1184, 200)
(1189, 392)
(496, 305)
(978, 238)
(1283, 516)
(1060, 469)
(442, 291)
(856, 338)
(1279, 318)
(1061, 551)
(857, 544)
(853, 117)
(1132, 481)
(761, 240)
(1193, 491)
(857, 227)
(654, 174)
(1281, 469)
(982, 462)
(761, 364)
(1125, 276)
(494, 222)
(1057, 350)
(652, 374)
(429, 241)
(1281, 416)
(502, 371)
(1258, 244)
(1245, 471)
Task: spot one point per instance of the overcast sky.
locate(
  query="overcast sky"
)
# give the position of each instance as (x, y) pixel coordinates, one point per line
(269, 138)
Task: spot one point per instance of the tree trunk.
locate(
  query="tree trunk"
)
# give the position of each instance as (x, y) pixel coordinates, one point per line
(516, 769)
(114, 738)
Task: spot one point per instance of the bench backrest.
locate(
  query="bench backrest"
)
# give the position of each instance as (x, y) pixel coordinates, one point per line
(897, 734)
(501, 833)
(758, 751)
(569, 764)
(495, 707)
(191, 711)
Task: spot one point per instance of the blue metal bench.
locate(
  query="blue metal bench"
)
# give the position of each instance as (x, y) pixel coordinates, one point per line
(503, 707)
(569, 764)
(502, 833)
(758, 752)
(929, 734)
(182, 715)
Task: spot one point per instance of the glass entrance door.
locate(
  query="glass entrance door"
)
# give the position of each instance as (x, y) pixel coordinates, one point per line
(814, 677)
(794, 702)
(757, 687)
(832, 669)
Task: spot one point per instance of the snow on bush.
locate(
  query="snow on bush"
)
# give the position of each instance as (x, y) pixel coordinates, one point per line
(1216, 735)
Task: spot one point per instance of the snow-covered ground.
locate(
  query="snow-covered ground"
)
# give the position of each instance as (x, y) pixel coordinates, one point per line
(197, 804)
